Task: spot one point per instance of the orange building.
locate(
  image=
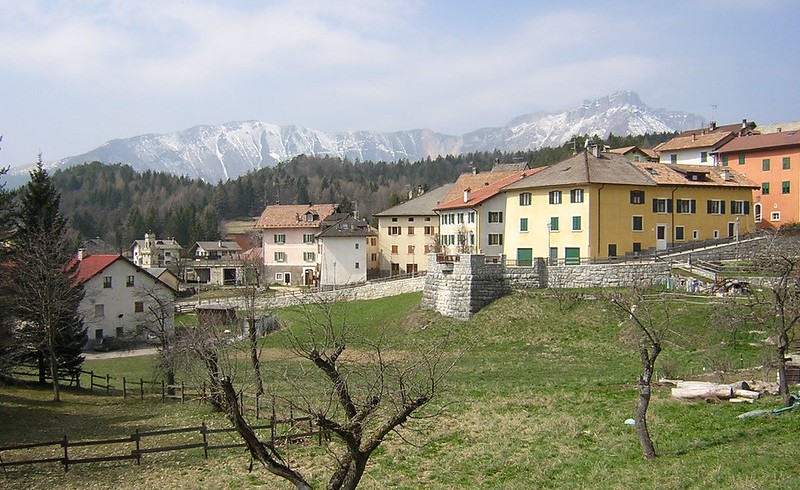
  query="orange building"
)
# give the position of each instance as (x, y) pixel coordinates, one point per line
(773, 162)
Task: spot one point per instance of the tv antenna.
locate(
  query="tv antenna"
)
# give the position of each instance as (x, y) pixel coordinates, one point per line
(713, 111)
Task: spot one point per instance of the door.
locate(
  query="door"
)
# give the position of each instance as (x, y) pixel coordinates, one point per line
(524, 257)
(287, 278)
(572, 256)
(661, 237)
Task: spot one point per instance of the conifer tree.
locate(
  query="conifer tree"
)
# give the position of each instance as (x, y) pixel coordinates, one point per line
(46, 291)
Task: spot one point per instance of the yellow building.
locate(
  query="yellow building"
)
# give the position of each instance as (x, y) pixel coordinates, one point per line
(599, 206)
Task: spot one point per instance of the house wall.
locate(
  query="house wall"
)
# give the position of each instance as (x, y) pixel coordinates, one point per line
(689, 156)
(495, 203)
(418, 240)
(343, 260)
(787, 205)
(119, 301)
(456, 223)
(295, 264)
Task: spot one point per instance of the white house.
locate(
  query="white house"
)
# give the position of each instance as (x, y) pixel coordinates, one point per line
(121, 298)
(152, 252)
(343, 254)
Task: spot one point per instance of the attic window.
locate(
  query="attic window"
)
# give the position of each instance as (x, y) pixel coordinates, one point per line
(311, 216)
(651, 171)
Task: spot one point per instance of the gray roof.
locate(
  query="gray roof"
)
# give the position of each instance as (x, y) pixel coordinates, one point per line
(585, 168)
(347, 226)
(419, 206)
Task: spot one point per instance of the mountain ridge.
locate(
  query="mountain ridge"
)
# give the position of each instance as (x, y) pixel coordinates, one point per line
(229, 150)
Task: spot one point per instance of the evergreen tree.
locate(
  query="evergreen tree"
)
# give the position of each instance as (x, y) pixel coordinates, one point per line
(46, 291)
(7, 213)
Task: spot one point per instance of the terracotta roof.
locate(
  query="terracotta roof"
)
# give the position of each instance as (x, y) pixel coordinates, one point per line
(762, 141)
(94, 264)
(293, 215)
(779, 127)
(481, 187)
(740, 129)
(705, 175)
(421, 205)
(585, 168)
(709, 140)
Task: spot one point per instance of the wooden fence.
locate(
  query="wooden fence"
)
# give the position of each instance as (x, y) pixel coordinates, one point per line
(136, 445)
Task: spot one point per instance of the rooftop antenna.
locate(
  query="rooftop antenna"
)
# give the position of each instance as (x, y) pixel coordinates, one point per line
(713, 111)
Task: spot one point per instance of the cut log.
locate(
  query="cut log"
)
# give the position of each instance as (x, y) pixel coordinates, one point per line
(749, 394)
(695, 390)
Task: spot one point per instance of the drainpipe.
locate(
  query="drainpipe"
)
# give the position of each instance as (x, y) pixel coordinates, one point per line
(672, 218)
(478, 231)
(598, 219)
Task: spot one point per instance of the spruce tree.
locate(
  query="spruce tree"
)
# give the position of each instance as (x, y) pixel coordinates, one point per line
(46, 291)
(7, 217)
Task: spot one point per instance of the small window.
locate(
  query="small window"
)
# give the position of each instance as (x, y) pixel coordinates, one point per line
(308, 238)
(129, 281)
(495, 216)
(525, 199)
(765, 188)
(785, 189)
(374, 257)
(724, 160)
(279, 276)
(638, 223)
(679, 233)
(279, 238)
(554, 223)
(309, 256)
(637, 248)
(107, 282)
(716, 234)
(394, 220)
(395, 230)
(612, 249)
(410, 230)
(411, 249)
(471, 217)
(741, 158)
(775, 216)
(685, 206)
(662, 206)
(576, 223)
(787, 163)
(740, 207)
(411, 220)
(99, 311)
(576, 195)
(138, 307)
(715, 206)
(757, 212)
(703, 156)
(395, 248)
(765, 165)
(673, 158)
(637, 197)
(357, 265)
(429, 230)
(358, 245)
(279, 256)
(495, 238)
(523, 224)
(554, 197)
(460, 218)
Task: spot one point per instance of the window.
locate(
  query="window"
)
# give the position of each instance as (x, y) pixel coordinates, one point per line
(662, 205)
(308, 238)
(787, 163)
(410, 230)
(757, 212)
(358, 265)
(612, 249)
(715, 206)
(395, 230)
(129, 281)
(785, 187)
(374, 257)
(765, 188)
(471, 217)
(741, 158)
(495, 238)
(703, 156)
(279, 276)
(358, 245)
(637, 197)
(775, 216)
(637, 248)
(638, 223)
(576, 195)
(555, 197)
(495, 216)
(460, 218)
(724, 160)
(279, 238)
(523, 224)
(394, 248)
(679, 233)
(715, 234)
(685, 206)
(107, 282)
(411, 220)
(576, 223)
(525, 199)
(673, 158)
(411, 249)
(429, 230)
(554, 223)
(309, 256)
(279, 256)
(138, 307)
(394, 220)
(427, 249)
(765, 165)
(99, 311)
(740, 207)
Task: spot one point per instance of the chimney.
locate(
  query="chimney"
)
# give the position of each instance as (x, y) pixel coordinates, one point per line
(474, 170)
(694, 137)
(726, 175)
(596, 150)
(713, 125)
(779, 130)
(467, 194)
(81, 254)
(744, 123)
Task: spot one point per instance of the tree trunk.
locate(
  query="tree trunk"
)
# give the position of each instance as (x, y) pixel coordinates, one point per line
(349, 474)
(253, 334)
(54, 376)
(783, 383)
(648, 451)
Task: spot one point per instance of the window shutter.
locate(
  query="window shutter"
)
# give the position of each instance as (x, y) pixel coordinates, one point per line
(708, 207)
(747, 207)
(722, 207)
(655, 205)
(692, 206)
(669, 205)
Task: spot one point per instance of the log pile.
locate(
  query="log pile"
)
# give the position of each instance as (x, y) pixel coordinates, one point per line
(714, 392)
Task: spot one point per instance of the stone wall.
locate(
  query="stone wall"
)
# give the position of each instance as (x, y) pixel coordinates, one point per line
(606, 275)
(460, 287)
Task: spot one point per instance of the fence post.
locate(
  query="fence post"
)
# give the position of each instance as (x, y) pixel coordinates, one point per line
(257, 404)
(183, 392)
(138, 453)
(141, 388)
(124, 389)
(91, 381)
(163, 392)
(64, 444)
(272, 423)
(108, 384)
(205, 439)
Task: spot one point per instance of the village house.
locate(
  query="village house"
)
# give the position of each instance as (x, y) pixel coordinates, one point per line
(772, 161)
(289, 241)
(472, 216)
(635, 154)
(601, 206)
(121, 298)
(407, 233)
(699, 146)
(153, 252)
(215, 262)
(343, 254)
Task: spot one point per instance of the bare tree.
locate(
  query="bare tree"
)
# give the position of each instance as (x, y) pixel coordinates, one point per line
(360, 398)
(252, 267)
(159, 324)
(648, 319)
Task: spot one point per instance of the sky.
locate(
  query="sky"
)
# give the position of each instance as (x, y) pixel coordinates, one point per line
(77, 73)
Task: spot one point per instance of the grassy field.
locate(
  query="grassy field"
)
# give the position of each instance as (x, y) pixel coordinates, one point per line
(537, 400)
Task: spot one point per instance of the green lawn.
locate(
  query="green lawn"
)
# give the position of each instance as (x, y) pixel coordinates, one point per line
(538, 399)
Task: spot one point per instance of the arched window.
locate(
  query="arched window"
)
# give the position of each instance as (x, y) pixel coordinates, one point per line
(757, 211)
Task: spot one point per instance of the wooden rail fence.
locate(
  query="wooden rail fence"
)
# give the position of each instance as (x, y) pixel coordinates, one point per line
(133, 447)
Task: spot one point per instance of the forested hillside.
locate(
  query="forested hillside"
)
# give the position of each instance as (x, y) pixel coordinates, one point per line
(118, 205)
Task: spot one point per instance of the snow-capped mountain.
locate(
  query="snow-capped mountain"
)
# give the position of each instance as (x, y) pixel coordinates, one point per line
(227, 151)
